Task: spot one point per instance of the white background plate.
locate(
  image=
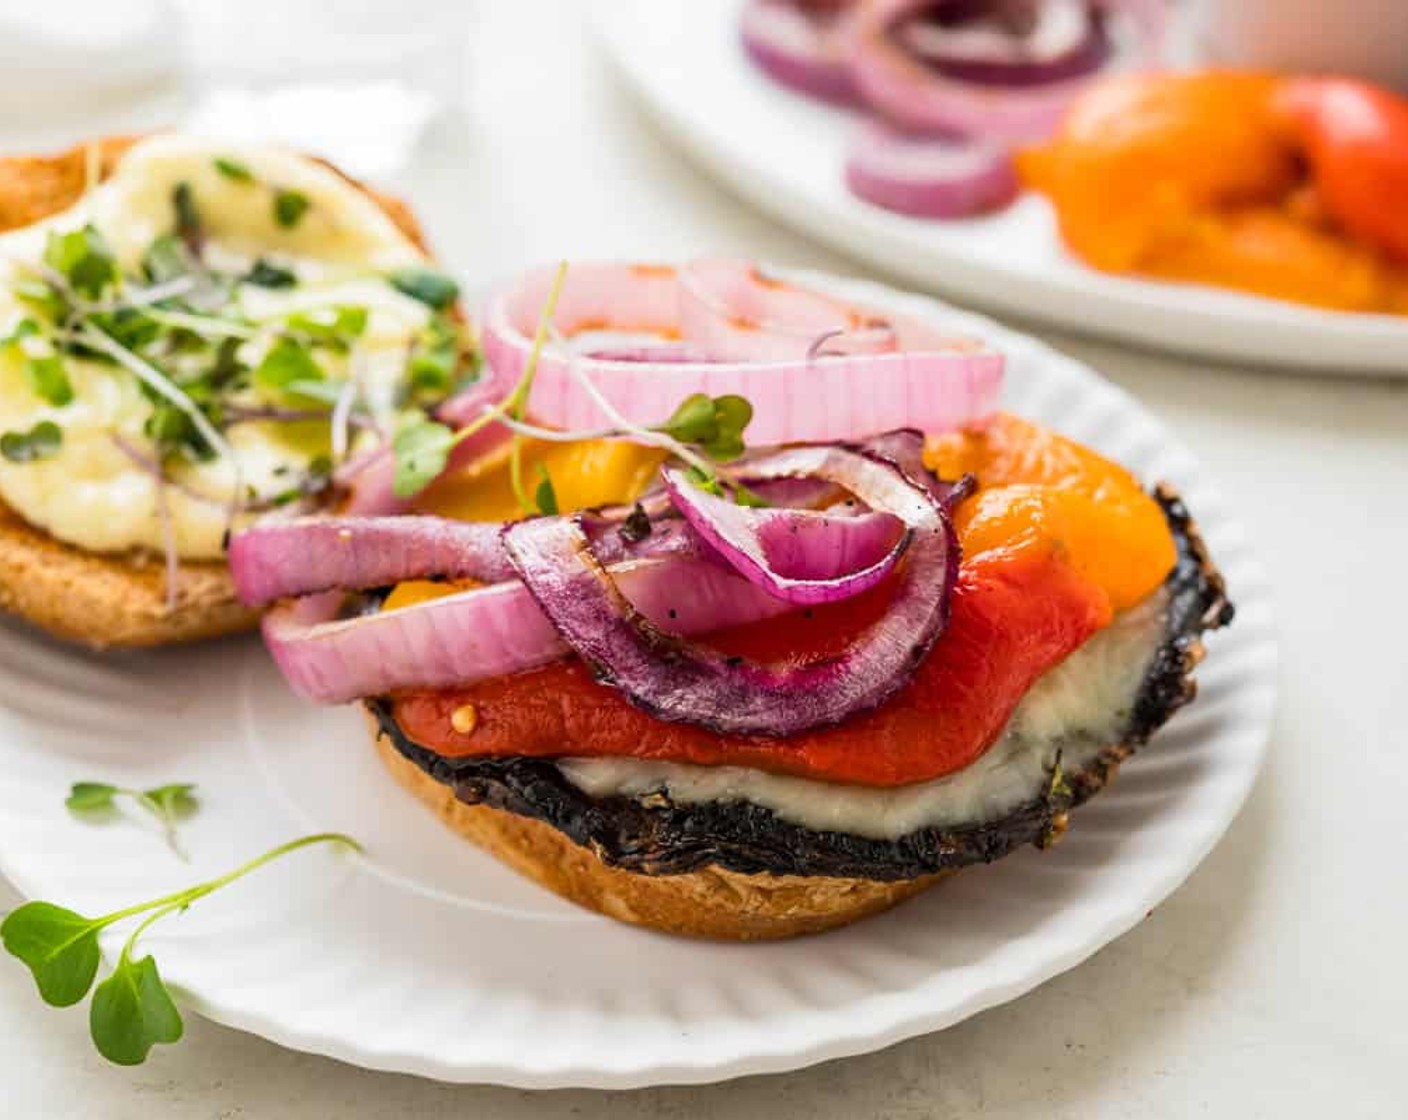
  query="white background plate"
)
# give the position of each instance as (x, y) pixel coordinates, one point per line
(785, 154)
(428, 957)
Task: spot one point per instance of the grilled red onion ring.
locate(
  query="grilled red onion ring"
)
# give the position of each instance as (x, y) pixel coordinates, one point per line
(308, 555)
(679, 682)
(791, 554)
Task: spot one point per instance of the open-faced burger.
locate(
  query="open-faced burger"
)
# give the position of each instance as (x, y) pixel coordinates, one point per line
(193, 334)
(743, 692)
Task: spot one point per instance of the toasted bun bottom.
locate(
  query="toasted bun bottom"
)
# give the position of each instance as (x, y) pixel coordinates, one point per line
(714, 903)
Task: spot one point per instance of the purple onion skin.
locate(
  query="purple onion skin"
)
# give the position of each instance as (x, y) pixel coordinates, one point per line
(949, 191)
(1088, 57)
(941, 201)
(684, 683)
(824, 79)
(835, 86)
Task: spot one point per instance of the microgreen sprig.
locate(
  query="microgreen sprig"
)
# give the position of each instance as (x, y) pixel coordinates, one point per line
(169, 804)
(132, 1009)
(703, 431)
(423, 447)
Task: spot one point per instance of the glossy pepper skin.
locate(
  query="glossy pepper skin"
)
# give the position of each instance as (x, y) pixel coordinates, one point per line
(1273, 186)
(1355, 137)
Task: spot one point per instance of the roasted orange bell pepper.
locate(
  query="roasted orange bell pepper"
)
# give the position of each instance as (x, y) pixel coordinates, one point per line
(1288, 188)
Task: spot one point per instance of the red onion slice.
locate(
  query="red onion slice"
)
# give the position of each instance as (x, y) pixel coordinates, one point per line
(784, 551)
(903, 87)
(282, 559)
(679, 682)
(872, 371)
(488, 632)
(904, 447)
(799, 44)
(308, 555)
(1009, 42)
(930, 177)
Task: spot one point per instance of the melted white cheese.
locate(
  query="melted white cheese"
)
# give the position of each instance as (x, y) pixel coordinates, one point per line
(1078, 708)
(92, 493)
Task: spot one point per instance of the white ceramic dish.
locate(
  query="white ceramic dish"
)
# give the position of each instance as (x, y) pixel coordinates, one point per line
(430, 958)
(785, 154)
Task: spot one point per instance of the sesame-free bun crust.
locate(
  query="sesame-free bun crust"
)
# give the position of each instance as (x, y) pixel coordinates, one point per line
(714, 902)
(98, 599)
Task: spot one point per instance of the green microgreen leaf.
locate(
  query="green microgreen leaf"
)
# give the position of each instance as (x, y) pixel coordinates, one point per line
(707, 482)
(713, 424)
(266, 275)
(188, 224)
(59, 946)
(25, 328)
(233, 169)
(693, 421)
(545, 496)
(337, 326)
(287, 361)
(421, 448)
(132, 1011)
(171, 430)
(175, 800)
(435, 358)
(42, 297)
(83, 258)
(745, 497)
(289, 207)
(319, 392)
(167, 258)
(88, 797)
(129, 326)
(434, 289)
(49, 378)
(733, 415)
(40, 442)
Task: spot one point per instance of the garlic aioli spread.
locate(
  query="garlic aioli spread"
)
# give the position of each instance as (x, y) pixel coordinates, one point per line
(1076, 709)
(281, 255)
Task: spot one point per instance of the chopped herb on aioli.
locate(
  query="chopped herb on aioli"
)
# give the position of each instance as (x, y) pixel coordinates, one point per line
(434, 289)
(49, 379)
(233, 169)
(287, 361)
(289, 207)
(266, 275)
(41, 442)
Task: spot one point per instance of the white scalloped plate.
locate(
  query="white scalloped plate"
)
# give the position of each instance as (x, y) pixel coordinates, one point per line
(785, 154)
(430, 958)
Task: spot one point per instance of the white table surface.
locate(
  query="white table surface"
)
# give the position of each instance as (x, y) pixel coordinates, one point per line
(1274, 984)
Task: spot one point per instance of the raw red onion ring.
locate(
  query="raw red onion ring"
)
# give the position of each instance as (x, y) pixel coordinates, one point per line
(890, 371)
(905, 88)
(487, 632)
(800, 43)
(929, 176)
